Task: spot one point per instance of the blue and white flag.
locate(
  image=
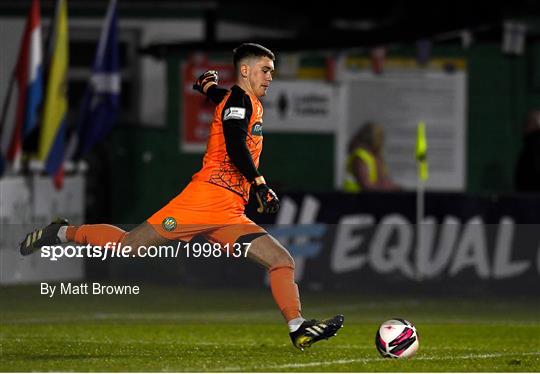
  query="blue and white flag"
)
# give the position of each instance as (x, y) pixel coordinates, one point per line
(101, 101)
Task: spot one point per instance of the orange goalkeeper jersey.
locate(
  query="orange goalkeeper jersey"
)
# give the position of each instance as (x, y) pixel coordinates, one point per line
(244, 112)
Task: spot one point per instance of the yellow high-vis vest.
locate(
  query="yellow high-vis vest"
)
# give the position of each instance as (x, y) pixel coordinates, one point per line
(350, 183)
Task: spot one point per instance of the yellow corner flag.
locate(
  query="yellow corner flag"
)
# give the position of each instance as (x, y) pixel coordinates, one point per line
(421, 151)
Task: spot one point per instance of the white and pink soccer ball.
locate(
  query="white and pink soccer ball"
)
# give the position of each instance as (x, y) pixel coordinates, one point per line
(397, 338)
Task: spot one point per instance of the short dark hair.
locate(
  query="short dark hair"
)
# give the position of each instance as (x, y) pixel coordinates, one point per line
(250, 50)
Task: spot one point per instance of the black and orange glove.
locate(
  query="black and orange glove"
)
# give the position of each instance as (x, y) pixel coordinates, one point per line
(266, 198)
(205, 81)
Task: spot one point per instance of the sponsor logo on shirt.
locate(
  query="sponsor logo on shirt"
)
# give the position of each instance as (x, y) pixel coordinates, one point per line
(234, 113)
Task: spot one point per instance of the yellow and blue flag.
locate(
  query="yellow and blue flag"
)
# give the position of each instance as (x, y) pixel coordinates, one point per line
(54, 122)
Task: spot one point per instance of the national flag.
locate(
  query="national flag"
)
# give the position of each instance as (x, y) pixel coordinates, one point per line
(101, 102)
(54, 123)
(29, 81)
(421, 152)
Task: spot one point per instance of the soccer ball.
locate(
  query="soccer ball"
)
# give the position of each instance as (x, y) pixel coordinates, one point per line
(397, 338)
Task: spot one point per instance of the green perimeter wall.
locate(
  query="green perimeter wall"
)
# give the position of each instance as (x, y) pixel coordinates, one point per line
(500, 90)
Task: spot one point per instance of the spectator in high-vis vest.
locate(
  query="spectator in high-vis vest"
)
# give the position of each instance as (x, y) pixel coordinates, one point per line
(365, 168)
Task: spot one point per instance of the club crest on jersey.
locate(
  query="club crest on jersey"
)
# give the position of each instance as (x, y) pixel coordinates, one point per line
(234, 113)
(257, 129)
(168, 224)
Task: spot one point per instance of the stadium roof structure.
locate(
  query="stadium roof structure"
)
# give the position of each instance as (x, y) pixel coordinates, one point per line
(299, 25)
(345, 24)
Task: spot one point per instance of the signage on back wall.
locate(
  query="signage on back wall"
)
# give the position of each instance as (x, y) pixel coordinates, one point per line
(372, 239)
(302, 106)
(451, 248)
(197, 111)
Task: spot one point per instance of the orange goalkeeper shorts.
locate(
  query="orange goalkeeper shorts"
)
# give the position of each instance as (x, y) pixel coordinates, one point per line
(207, 210)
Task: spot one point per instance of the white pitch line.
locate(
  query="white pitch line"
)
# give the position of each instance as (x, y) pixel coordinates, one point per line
(228, 316)
(366, 360)
(207, 316)
(141, 317)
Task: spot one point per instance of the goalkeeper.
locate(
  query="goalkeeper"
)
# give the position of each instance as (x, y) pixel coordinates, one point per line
(213, 203)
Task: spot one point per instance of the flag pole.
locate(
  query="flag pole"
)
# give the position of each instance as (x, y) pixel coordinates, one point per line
(421, 159)
(419, 232)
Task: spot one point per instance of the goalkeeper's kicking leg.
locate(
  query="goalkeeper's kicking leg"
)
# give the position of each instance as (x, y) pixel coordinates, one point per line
(268, 252)
(60, 231)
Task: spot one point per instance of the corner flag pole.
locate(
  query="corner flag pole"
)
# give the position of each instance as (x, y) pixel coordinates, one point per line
(421, 159)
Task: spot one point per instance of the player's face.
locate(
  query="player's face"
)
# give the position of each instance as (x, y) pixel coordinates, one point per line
(260, 75)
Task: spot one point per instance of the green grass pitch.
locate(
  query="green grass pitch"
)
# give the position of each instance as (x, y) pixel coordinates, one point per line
(176, 329)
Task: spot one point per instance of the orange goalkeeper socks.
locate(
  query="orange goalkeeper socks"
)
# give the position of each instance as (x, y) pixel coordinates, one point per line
(285, 291)
(98, 235)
